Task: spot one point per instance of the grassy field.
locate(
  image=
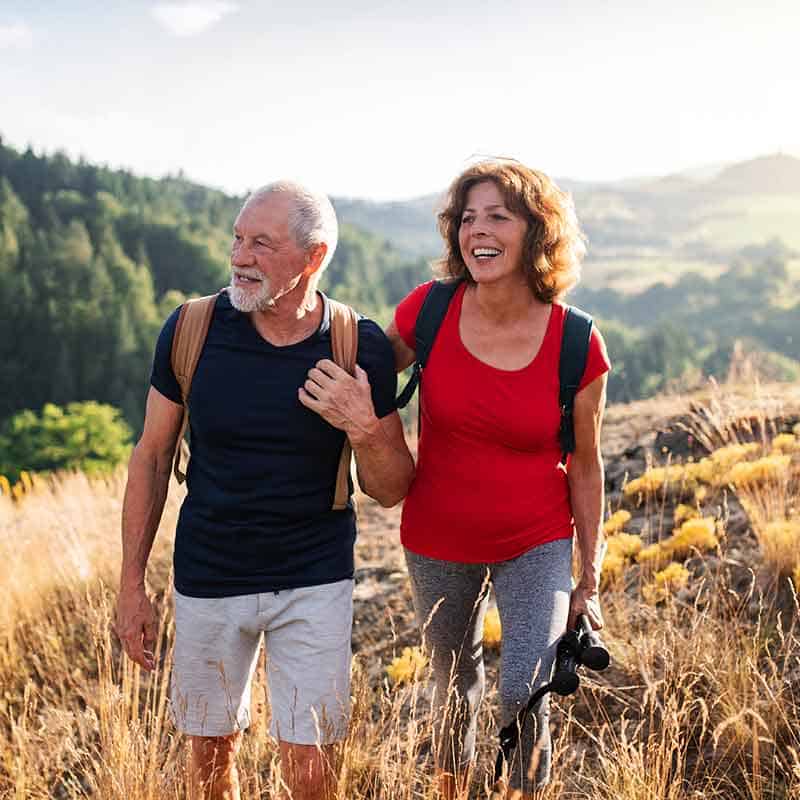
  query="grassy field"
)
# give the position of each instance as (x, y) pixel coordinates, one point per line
(702, 699)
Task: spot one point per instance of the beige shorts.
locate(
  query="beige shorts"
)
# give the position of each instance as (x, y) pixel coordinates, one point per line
(307, 640)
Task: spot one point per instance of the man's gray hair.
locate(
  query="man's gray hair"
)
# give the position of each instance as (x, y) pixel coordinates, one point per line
(312, 220)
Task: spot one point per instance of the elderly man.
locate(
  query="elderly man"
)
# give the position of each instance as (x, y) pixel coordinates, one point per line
(259, 550)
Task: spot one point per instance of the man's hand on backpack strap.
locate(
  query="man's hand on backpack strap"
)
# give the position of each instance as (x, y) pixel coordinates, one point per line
(341, 400)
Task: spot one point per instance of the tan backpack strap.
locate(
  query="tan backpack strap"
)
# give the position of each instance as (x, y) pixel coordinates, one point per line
(191, 331)
(344, 343)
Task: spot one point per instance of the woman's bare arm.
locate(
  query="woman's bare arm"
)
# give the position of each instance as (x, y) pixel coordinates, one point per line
(586, 485)
(404, 356)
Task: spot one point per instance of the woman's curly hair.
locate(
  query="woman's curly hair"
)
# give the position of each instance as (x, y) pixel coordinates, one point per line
(554, 244)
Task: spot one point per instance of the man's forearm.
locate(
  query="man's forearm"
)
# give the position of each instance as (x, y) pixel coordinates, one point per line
(385, 471)
(586, 498)
(145, 493)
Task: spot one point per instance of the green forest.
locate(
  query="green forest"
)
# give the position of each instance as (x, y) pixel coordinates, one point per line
(92, 260)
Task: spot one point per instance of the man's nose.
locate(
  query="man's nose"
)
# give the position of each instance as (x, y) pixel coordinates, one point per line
(241, 255)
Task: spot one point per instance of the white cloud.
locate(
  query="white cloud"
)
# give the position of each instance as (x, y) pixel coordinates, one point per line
(189, 19)
(15, 34)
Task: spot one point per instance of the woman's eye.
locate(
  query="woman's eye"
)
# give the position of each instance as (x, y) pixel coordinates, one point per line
(499, 217)
(465, 220)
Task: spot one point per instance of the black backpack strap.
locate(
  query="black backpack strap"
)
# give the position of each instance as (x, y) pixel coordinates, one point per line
(572, 363)
(429, 320)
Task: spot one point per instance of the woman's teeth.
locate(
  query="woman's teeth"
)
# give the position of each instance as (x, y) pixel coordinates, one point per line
(485, 252)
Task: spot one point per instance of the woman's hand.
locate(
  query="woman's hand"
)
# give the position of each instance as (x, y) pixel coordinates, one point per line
(340, 399)
(585, 600)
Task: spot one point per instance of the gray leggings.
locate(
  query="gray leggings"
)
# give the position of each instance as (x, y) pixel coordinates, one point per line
(532, 594)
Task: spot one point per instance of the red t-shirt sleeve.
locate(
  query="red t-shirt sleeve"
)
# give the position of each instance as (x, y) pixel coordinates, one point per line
(406, 313)
(597, 361)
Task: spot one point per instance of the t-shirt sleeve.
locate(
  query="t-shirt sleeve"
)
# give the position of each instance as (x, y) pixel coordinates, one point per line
(406, 313)
(597, 361)
(162, 377)
(376, 358)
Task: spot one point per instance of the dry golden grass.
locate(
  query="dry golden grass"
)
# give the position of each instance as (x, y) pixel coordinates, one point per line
(702, 699)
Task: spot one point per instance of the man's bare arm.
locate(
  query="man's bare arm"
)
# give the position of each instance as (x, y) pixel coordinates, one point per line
(145, 493)
(383, 462)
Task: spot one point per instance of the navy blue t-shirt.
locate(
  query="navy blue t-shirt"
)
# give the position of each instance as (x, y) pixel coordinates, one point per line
(262, 473)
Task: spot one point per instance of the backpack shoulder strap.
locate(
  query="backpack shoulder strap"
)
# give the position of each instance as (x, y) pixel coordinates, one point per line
(344, 344)
(429, 320)
(575, 340)
(191, 331)
(344, 335)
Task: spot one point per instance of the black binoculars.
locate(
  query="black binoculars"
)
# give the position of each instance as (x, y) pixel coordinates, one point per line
(579, 647)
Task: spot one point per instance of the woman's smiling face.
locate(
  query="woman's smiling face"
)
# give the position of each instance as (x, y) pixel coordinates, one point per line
(490, 236)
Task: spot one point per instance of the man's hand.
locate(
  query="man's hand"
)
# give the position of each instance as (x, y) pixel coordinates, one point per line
(341, 400)
(585, 600)
(136, 626)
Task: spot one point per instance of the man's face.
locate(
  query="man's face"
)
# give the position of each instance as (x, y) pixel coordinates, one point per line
(266, 262)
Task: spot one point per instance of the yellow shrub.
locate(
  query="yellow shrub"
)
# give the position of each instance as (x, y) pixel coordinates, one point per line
(624, 545)
(763, 469)
(26, 481)
(665, 582)
(616, 522)
(702, 471)
(612, 570)
(780, 541)
(725, 457)
(693, 534)
(785, 443)
(656, 478)
(5, 486)
(684, 512)
(700, 493)
(653, 556)
(492, 630)
(407, 667)
(726, 465)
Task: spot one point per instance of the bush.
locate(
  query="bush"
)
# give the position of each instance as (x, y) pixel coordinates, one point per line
(91, 437)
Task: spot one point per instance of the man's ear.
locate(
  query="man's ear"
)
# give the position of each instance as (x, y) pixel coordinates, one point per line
(314, 257)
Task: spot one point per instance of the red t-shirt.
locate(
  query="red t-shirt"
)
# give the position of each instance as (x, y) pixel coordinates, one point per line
(488, 485)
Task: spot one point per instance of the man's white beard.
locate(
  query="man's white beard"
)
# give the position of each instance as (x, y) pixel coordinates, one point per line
(257, 298)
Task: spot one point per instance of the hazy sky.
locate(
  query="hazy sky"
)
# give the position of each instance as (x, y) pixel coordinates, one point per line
(392, 99)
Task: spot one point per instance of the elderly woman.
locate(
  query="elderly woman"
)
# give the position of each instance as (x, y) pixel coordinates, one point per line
(490, 500)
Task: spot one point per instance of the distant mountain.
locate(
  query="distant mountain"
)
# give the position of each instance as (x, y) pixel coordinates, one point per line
(705, 213)
(775, 174)
(409, 225)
